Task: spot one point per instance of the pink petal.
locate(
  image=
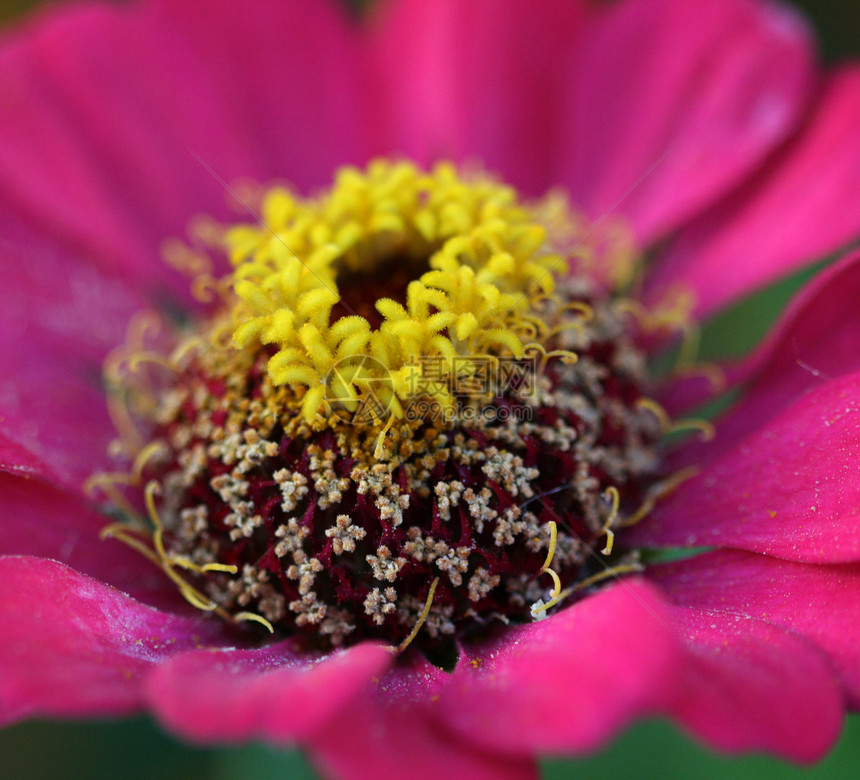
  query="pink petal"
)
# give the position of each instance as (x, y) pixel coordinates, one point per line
(73, 646)
(681, 394)
(61, 315)
(463, 78)
(816, 339)
(820, 603)
(789, 490)
(395, 731)
(116, 123)
(568, 683)
(16, 459)
(671, 103)
(288, 75)
(42, 520)
(749, 686)
(809, 193)
(271, 693)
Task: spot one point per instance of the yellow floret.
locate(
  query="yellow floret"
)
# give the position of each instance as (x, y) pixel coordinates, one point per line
(485, 257)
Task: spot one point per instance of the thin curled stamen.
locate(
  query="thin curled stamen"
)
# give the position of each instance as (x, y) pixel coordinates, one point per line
(614, 571)
(421, 618)
(550, 555)
(669, 426)
(150, 451)
(657, 493)
(612, 494)
(107, 483)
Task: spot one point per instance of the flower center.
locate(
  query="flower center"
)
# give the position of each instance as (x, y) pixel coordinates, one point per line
(410, 414)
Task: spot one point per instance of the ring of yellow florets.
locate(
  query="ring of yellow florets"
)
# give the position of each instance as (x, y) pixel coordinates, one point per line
(487, 263)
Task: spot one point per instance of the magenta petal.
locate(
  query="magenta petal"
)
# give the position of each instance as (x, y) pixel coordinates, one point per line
(42, 520)
(18, 460)
(271, 693)
(73, 646)
(820, 603)
(61, 315)
(817, 339)
(789, 490)
(735, 249)
(746, 685)
(476, 77)
(378, 744)
(55, 418)
(288, 76)
(568, 683)
(117, 122)
(672, 102)
(395, 731)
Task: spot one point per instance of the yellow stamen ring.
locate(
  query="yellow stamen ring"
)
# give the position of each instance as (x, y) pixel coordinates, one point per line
(487, 261)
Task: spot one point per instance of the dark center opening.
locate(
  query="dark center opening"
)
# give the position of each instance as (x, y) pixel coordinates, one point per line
(360, 289)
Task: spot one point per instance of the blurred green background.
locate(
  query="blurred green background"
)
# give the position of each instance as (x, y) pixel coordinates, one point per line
(137, 749)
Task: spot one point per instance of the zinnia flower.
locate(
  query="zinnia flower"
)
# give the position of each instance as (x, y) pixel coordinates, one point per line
(453, 580)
